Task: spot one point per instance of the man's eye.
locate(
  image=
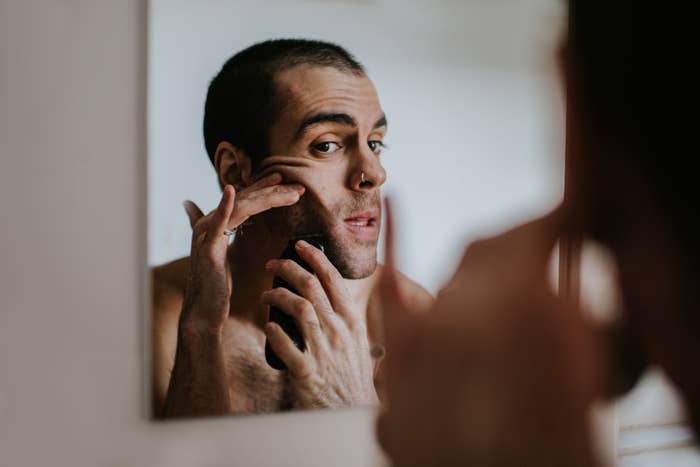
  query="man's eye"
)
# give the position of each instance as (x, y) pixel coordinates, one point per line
(376, 146)
(326, 147)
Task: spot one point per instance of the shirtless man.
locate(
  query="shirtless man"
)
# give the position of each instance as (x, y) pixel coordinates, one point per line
(294, 130)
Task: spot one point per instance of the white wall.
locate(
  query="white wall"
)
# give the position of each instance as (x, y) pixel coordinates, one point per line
(468, 87)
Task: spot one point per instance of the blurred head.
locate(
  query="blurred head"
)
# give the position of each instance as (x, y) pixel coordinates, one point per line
(630, 94)
(307, 110)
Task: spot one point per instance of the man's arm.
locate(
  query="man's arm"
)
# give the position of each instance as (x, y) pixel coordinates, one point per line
(165, 314)
(198, 384)
(188, 368)
(189, 377)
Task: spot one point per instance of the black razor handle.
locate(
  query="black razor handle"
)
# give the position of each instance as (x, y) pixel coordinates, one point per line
(278, 316)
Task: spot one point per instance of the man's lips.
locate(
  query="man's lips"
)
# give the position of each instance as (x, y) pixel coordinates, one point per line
(363, 224)
(366, 217)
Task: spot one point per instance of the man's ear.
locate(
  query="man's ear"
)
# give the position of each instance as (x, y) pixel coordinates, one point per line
(233, 166)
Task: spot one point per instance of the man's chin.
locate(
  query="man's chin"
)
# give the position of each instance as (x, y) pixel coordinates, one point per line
(358, 271)
(352, 261)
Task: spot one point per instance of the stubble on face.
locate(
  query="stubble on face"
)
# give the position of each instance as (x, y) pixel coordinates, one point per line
(354, 258)
(328, 201)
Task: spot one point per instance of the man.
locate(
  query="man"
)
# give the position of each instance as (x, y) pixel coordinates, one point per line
(294, 130)
(502, 372)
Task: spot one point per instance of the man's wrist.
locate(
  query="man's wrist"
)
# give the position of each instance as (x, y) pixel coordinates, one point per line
(193, 329)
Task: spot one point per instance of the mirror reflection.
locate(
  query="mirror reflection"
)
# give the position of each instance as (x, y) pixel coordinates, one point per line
(280, 137)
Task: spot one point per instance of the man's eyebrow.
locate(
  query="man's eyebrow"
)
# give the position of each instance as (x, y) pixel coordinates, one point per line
(343, 119)
(380, 123)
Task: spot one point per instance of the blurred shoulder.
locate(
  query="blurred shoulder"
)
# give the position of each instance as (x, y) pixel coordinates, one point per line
(416, 293)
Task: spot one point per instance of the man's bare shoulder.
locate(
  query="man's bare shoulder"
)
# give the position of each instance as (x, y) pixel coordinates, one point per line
(168, 286)
(420, 299)
(417, 294)
(168, 291)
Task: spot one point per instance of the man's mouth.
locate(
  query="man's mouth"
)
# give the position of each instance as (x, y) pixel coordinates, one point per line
(364, 224)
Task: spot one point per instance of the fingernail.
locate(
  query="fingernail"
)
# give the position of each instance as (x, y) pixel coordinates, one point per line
(301, 244)
(269, 328)
(269, 265)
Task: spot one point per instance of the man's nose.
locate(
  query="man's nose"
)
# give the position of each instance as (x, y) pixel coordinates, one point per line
(368, 173)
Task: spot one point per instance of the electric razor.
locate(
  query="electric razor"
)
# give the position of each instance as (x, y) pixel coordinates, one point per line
(278, 316)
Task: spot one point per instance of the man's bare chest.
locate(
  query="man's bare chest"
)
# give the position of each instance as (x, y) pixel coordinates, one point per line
(254, 386)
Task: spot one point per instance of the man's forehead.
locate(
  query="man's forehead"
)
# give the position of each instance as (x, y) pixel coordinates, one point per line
(306, 90)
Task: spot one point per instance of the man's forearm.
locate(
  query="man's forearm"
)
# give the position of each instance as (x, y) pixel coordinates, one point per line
(198, 384)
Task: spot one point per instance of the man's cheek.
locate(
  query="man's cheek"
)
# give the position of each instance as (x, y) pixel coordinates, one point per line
(294, 169)
(319, 196)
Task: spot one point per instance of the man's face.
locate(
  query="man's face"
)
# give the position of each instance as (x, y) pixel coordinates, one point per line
(328, 138)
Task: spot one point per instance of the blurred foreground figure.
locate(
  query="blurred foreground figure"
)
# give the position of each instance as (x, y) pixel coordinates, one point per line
(503, 372)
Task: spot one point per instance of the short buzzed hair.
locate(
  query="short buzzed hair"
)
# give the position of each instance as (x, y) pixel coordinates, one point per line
(243, 101)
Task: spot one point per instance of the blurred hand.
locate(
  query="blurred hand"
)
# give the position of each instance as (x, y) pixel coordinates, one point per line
(501, 372)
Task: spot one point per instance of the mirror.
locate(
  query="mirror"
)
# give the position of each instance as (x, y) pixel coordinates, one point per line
(465, 97)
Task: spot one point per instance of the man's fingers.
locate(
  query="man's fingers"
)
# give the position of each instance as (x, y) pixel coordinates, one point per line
(389, 258)
(296, 361)
(193, 212)
(221, 215)
(268, 180)
(527, 247)
(541, 234)
(251, 203)
(390, 293)
(382, 429)
(298, 308)
(327, 274)
(395, 310)
(305, 283)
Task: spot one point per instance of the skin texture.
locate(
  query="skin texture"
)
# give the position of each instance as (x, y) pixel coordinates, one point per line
(210, 309)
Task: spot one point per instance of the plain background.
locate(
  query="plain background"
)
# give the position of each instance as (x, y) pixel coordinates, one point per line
(73, 256)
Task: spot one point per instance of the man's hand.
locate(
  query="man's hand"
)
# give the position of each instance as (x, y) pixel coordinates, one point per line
(501, 372)
(208, 292)
(336, 368)
(199, 383)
